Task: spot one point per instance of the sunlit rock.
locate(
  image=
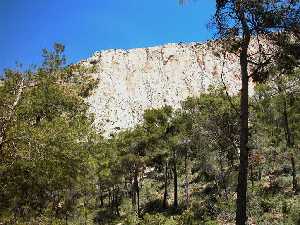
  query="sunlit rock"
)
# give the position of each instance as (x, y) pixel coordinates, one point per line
(131, 81)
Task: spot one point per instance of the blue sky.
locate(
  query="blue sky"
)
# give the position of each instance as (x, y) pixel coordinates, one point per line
(86, 26)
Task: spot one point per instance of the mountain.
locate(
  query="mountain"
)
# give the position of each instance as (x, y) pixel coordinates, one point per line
(131, 81)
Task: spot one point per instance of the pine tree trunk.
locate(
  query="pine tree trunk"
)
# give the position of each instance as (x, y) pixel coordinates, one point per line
(138, 199)
(259, 173)
(288, 133)
(252, 176)
(109, 198)
(241, 202)
(289, 141)
(187, 195)
(136, 192)
(101, 200)
(294, 174)
(66, 219)
(113, 200)
(175, 204)
(117, 201)
(165, 205)
(85, 207)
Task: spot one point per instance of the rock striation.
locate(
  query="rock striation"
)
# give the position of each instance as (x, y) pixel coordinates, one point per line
(131, 81)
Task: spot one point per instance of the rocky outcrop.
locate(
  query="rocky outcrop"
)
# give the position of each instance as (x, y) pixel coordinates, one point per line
(131, 81)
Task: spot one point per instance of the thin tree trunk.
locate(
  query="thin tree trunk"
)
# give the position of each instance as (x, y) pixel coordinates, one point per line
(109, 198)
(225, 187)
(224, 180)
(117, 201)
(288, 133)
(136, 192)
(85, 208)
(175, 204)
(66, 219)
(289, 141)
(241, 202)
(113, 199)
(187, 195)
(294, 174)
(138, 198)
(165, 205)
(252, 176)
(259, 173)
(101, 200)
(133, 195)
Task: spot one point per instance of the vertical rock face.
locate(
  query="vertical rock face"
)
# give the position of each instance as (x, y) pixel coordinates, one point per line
(131, 81)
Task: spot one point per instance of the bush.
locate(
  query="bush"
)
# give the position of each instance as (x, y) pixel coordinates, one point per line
(158, 219)
(292, 209)
(188, 218)
(127, 212)
(211, 222)
(294, 216)
(266, 205)
(153, 206)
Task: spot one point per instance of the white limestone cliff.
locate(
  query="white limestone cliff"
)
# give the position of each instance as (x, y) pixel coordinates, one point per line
(131, 81)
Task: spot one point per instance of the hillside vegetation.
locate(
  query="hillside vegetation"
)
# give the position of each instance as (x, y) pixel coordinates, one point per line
(218, 159)
(176, 167)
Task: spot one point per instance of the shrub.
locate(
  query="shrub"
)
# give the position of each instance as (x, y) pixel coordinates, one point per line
(158, 219)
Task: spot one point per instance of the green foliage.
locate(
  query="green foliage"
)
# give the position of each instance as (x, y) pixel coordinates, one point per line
(46, 140)
(56, 169)
(158, 219)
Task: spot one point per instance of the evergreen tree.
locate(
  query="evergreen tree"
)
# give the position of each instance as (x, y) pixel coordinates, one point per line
(46, 138)
(238, 21)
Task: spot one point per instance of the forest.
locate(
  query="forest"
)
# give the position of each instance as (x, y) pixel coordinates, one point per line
(218, 159)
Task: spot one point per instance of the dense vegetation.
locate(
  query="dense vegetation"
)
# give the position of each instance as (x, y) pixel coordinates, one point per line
(177, 167)
(212, 161)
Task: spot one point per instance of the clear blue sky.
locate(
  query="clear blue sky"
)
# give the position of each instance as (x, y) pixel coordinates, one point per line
(85, 26)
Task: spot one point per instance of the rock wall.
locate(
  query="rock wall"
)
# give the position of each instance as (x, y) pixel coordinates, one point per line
(131, 81)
